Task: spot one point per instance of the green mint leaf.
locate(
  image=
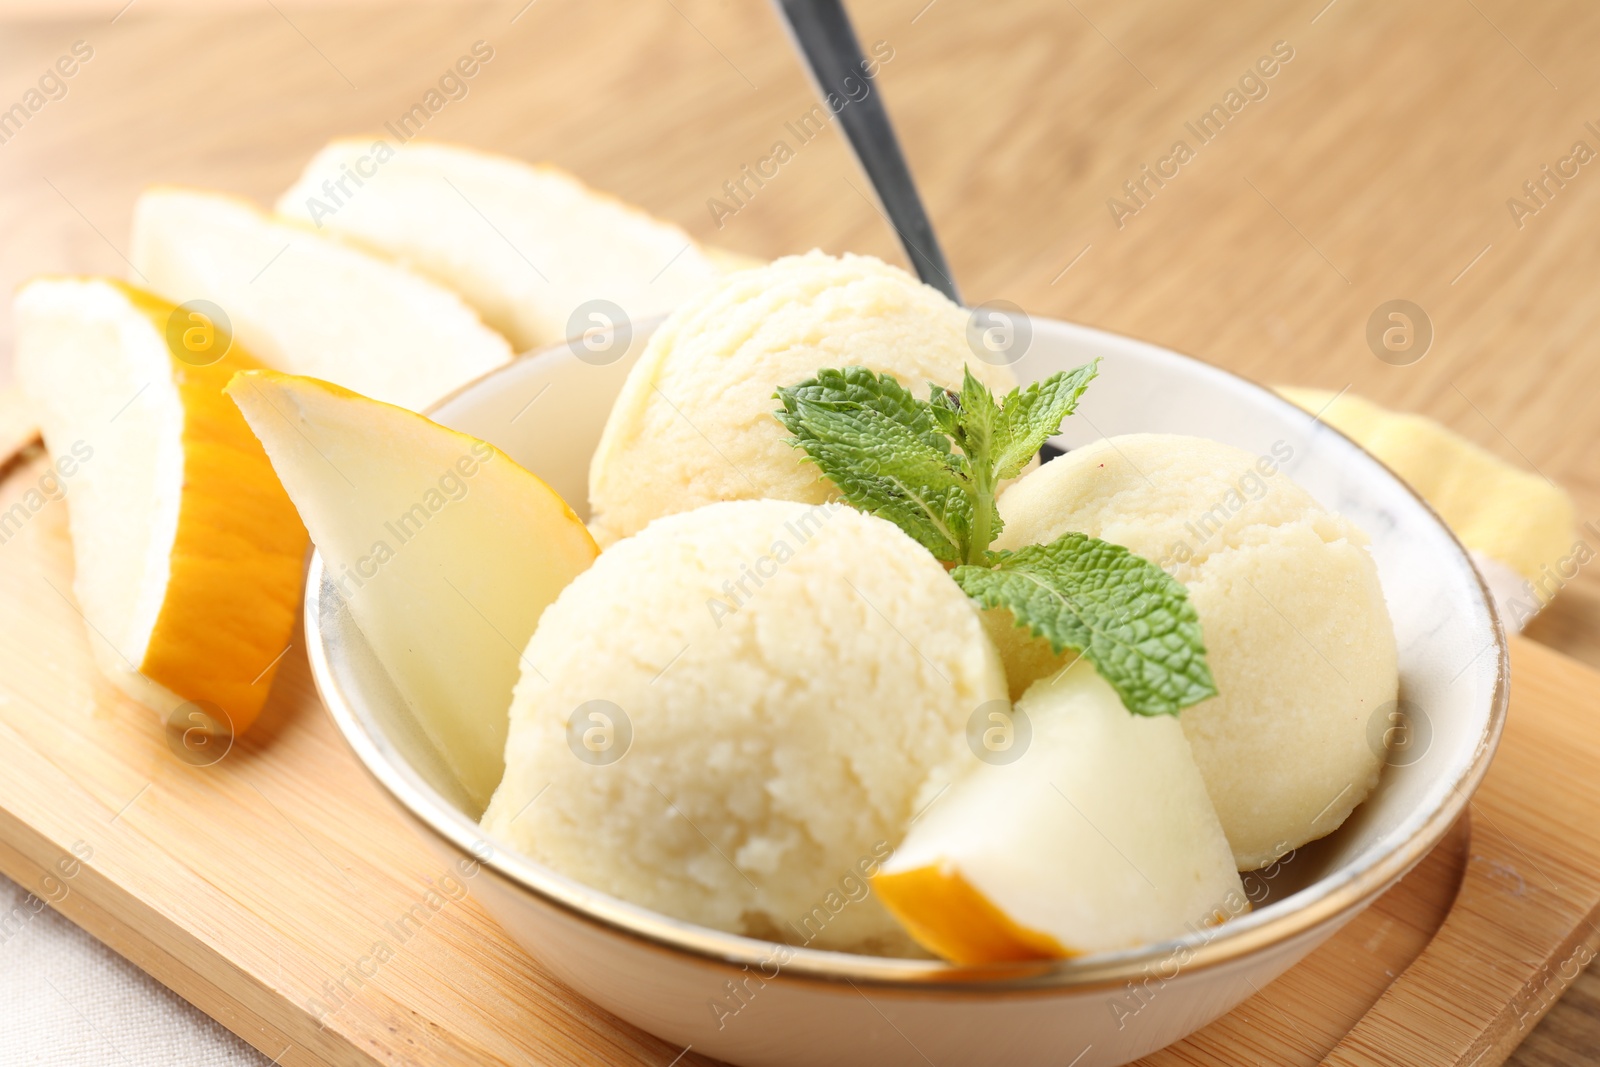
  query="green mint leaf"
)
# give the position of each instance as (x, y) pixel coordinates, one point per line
(1128, 617)
(857, 387)
(881, 447)
(1032, 415)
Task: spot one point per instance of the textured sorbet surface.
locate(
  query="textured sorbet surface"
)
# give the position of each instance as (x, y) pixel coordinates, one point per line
(1296, 629)
(796, 679)
(694, 424)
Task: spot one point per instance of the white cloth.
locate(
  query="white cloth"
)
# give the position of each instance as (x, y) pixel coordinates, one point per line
(66, 1000)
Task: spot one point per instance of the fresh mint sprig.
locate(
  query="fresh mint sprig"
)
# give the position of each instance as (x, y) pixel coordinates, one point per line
(934, 467)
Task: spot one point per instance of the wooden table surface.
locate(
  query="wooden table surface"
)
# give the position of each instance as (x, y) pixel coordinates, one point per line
(1377, 165)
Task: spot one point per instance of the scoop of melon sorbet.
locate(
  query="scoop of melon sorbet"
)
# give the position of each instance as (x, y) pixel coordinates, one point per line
(734, 715)
(1297, 633)
(693, 423)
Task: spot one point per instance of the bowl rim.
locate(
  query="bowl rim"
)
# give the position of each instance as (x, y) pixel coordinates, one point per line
(1325, 901)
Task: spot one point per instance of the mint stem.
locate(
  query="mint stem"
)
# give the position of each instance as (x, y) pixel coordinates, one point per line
(983, 484)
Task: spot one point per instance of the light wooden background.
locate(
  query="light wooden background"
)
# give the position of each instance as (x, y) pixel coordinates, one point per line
(1377, 167)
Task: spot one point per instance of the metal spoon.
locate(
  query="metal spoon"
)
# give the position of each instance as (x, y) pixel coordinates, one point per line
(821, 32)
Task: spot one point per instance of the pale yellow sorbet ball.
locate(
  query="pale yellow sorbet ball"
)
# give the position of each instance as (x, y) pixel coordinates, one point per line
(694, 422)
(1296, 629)
(796, 680)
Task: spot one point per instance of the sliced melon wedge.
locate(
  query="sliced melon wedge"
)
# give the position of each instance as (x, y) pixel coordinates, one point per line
(189, 557)
(19, 428)
(527, 245)
(446, 551)
(310, 305)
(1100, 836)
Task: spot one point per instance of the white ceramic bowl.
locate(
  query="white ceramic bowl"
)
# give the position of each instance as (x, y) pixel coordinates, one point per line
(547, 411)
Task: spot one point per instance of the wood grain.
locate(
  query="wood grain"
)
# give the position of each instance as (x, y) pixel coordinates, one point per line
(1481, 983)
(1378, 166)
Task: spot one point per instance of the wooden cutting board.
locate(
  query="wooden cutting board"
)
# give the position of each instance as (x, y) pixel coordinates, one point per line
(249, 884)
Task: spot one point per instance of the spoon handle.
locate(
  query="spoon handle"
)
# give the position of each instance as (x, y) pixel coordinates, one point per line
(821, 31)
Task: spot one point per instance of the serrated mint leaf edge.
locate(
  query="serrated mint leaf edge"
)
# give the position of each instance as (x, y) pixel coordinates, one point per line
(852, 471)
(988, 594)
(1020, 433)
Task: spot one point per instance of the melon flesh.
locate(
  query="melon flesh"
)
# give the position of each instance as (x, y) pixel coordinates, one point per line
(309, 305)
(525, 244)
(1099, 837)
(446, 551)
(188, 556)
